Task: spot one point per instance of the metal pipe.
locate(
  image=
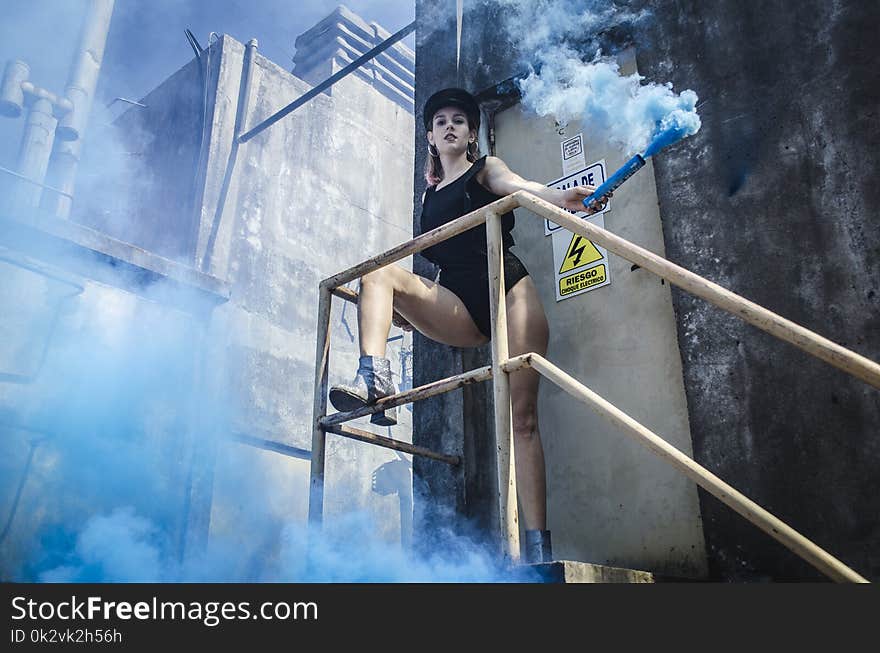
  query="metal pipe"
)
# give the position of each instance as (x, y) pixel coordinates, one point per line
(516, 363)
(194, 43)
(80, 91)
(11, 92)
(327, 83)
(244, 93)
(269, 445)
(127, 101)
(61, 104)
(34, 181)
(15, 86)
(389, 443)
(86, 67)
(62, 176)
(36, 148)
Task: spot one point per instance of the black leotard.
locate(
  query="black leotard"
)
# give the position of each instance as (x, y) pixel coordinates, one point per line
(462, 259)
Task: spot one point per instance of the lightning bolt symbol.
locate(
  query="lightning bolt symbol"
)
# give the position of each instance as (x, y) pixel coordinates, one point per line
(576, 250)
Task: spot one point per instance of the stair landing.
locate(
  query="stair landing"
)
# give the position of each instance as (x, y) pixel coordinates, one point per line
(573, 571)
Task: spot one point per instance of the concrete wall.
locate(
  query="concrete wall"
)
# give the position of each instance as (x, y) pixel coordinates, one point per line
(311, 196)
(139, 173)
(777, 199)
(316, 193)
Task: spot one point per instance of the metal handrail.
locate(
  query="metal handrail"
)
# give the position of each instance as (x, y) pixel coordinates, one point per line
(327, 83)
(767, 522)
(809, 341)
(18, 175)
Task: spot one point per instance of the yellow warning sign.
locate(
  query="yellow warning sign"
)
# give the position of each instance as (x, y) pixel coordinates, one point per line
(582, 280)
(580, 252)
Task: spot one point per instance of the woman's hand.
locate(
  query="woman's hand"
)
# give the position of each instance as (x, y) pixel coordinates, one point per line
(573, 199)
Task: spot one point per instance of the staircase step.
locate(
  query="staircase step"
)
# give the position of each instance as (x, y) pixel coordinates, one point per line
(573, 571)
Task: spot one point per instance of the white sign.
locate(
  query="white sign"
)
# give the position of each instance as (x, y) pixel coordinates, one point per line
(572, 151)
(592, 175)
(579, 264)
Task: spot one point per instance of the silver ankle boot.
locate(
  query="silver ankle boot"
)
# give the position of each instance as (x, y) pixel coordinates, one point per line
(538, 548)
(371, 383)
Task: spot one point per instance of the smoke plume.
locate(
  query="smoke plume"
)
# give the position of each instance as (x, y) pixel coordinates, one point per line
(570, 78)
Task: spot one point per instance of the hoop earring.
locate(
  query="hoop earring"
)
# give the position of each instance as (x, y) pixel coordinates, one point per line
(472, 148)
(432, 150)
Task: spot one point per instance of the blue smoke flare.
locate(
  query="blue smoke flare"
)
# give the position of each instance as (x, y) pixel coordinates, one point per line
(665, 138)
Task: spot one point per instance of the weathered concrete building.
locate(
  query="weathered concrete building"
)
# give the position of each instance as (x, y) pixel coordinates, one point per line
(773, 199)
(206, 405)
(161, 351)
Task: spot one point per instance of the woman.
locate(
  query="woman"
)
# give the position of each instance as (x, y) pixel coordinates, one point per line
(455, 310)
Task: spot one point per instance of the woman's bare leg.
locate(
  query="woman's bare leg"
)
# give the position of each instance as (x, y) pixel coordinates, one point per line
(527, 331)
(432, 309)
(440, 315)
(375, 303)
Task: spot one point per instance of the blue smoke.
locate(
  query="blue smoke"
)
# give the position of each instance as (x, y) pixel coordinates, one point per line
(123, 546)
(555, 35)
(672, 134)
(112, 407)
(629, 113)
(119, 547)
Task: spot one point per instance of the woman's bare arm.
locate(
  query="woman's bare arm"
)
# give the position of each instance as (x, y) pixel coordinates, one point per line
(501, 180)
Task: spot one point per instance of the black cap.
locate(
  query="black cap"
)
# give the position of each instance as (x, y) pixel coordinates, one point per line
(452, 97)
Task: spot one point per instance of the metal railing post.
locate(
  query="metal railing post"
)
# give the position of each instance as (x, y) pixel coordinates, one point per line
(507, 504)
(322, 363)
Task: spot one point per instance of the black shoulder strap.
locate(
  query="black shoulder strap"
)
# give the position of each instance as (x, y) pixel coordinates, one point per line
(479, 164)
